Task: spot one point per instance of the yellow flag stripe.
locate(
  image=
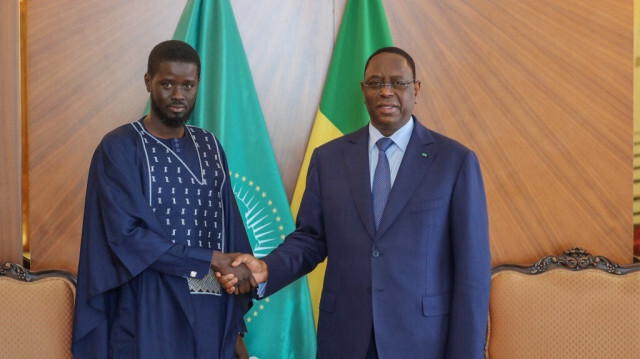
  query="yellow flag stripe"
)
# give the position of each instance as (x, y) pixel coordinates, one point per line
(323, 131)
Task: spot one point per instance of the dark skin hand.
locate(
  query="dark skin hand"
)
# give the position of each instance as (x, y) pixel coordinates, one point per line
(241, 348)
(221, 263)
(257, 267)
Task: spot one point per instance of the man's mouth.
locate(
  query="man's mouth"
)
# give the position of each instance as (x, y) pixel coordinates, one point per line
(387, 108)
(177, 108)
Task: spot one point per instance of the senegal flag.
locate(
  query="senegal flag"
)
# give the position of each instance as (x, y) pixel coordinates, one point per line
(280, 326)
(363, 30)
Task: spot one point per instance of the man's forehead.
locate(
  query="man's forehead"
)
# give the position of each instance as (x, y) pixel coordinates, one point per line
(178, 68)
(388, 60)
(388, 67)
(174, 63)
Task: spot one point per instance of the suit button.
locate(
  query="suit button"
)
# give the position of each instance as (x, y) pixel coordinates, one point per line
(376, 254)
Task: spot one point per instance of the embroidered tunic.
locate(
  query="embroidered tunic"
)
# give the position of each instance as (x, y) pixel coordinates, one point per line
(187, 197)
(155, 211)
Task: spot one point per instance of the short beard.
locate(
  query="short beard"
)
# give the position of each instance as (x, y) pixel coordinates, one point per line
(175, 122)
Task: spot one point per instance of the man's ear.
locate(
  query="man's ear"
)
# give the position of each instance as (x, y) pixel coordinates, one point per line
(147, 82)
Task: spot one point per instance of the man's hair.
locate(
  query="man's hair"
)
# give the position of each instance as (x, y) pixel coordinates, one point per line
(397, 51)
(172, 50)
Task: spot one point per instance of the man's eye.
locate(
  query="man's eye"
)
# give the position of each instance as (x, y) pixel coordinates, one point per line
(400, 86)
(375, 84)
(188, 86)
(166, 85)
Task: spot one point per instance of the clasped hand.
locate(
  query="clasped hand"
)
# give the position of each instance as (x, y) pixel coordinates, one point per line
(244, 280)
(232, 282)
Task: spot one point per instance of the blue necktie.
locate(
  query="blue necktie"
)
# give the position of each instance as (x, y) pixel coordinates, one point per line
(381, 180)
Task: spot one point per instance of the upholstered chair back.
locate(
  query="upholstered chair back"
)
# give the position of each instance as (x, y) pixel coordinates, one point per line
(571, 306)
(36, 313)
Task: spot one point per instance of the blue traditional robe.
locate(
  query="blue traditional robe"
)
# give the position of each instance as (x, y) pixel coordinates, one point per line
(155, 211)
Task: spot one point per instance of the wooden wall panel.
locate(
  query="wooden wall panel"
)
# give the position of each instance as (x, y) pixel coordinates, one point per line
(87, 60)
(542, 91)
(10, 152)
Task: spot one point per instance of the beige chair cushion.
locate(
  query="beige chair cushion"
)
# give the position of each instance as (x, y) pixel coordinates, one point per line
(564, 314)
(36, 318)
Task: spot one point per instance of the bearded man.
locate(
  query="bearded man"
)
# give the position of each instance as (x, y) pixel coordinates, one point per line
(160, 217)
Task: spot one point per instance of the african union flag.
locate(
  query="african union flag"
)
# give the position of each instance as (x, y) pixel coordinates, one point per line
(280, 326)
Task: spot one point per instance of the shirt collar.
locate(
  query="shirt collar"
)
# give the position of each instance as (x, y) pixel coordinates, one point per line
(401, 137)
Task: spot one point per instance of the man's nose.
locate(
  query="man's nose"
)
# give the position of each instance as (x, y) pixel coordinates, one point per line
(177, 93)
(386, 90)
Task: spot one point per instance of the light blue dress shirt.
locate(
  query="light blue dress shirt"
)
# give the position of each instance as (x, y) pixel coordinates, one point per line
(395, 152)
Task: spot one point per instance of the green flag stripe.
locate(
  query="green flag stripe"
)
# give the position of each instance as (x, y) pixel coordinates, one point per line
(363, 30)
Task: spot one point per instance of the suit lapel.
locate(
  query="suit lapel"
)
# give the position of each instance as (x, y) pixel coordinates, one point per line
(414, 166)
(356, 162)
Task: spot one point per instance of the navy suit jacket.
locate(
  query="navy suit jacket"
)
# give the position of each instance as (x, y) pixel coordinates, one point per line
(422, 279)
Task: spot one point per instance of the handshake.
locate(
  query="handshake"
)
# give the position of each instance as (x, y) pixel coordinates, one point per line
(238, 273)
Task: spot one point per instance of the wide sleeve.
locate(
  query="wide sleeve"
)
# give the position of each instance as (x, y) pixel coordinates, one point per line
(472, 263)
(121, 237)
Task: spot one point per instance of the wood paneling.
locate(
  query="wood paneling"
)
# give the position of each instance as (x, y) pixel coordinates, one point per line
(10, 152)
(109, 55)
(86, 65)
(542, 91)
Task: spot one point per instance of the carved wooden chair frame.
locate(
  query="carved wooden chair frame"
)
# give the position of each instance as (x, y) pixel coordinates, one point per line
(16, 271)
(572, 259)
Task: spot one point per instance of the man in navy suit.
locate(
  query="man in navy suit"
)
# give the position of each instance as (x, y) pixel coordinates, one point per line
(408, 273)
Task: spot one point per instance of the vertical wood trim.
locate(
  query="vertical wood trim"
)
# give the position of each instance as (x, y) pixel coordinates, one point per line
(10, 154)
